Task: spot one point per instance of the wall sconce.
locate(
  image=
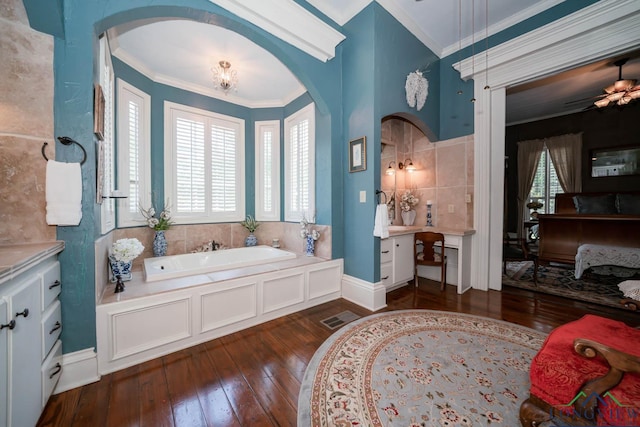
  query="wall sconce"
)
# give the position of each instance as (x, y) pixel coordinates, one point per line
(408, 166)
(390, 169)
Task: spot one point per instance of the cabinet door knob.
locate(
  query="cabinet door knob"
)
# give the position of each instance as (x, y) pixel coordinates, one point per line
(57, 326)
(397, 245)
(55, 284)
(24, 313)
(9, 325)
(385, 252)
(57, 370)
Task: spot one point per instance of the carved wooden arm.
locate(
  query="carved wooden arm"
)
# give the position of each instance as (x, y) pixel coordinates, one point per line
(618, 361)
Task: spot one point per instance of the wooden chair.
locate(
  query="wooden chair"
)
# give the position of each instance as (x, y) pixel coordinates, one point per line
(515, 249)
(587, 373)
(428, 256)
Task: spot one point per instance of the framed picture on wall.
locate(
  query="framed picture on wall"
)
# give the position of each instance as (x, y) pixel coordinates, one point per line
(358, 154)
(98, 111)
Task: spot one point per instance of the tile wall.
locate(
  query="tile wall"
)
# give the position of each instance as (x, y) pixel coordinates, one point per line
(444, 174)
(26, 121)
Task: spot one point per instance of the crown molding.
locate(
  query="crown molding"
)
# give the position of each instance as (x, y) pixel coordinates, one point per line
(510, 21)
(137, 65)
(410, 24)
(592, 29)
(289, 22)
(340, 16)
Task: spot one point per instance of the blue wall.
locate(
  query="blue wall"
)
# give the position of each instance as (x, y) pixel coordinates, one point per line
(75, 65)
(456, 111)
(352, 93)
(378, 55)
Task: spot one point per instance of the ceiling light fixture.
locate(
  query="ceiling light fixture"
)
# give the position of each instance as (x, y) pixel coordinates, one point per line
(390, 169)
(224, 77)
(407, 165)
(621, 92)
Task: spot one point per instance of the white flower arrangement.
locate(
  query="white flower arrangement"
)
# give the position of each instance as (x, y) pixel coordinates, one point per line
(126, 250)
(306, 231)
(162, 222)
(408, 200)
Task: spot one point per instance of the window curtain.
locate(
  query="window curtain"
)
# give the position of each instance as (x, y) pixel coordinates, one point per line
(566, 155)
(528, 157)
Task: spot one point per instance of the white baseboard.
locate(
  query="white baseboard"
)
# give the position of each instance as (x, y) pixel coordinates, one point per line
(78, 369)
(372, 296)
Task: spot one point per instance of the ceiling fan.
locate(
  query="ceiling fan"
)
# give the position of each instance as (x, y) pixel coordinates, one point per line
(621, 92)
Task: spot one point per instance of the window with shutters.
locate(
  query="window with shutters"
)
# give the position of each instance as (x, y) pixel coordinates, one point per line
(267, 150)
(299, 145)
(106, 146)
(204, 165)
(134, 153)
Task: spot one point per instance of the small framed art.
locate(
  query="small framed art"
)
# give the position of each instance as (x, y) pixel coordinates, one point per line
(358, 154)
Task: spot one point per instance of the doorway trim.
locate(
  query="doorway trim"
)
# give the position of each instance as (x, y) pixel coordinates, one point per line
(604, 29)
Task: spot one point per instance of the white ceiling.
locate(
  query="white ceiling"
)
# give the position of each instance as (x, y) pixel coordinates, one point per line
(181, 53)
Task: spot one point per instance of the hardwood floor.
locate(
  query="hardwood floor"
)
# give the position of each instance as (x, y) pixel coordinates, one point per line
(252, 378)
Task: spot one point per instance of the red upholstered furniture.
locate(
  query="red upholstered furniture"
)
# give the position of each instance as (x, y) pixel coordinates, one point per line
(591, 355)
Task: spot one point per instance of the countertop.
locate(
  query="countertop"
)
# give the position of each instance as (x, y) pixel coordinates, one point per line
(397, 230)
(15, 259)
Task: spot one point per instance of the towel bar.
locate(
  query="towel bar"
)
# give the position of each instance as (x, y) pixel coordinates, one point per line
(65, 140)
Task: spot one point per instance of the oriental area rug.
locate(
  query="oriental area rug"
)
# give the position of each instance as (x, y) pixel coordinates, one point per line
(419, 368)
(560, 280)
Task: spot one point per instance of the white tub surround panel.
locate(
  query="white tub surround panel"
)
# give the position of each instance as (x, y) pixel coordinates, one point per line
(149, 320)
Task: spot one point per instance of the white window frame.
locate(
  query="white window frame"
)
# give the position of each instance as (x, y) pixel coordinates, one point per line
(263, 128)
(128, 209)
(106, 146)
(291, 213)
(171, 112)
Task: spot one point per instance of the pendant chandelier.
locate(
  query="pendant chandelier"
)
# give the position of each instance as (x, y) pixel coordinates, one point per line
(224, 77)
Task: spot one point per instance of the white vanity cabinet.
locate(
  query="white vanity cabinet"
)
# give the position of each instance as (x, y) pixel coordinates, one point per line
(30, 345)
(396, 261)
(4, 360)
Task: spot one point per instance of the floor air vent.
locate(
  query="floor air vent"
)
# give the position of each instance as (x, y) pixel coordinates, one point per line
(339, 319)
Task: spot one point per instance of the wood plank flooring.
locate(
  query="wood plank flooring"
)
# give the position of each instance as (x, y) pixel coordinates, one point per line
(252, 377)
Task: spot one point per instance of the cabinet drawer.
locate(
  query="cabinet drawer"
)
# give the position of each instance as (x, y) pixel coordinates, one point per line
(386, 250)
(50, 285)
(51, 327)
(386, 274)
(51, 371)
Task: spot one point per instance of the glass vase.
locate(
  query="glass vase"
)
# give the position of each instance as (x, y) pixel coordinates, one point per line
(159, 244)
(120, 268)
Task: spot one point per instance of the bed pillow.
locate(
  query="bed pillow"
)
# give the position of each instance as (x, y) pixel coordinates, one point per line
(628, 204)
(596, 205)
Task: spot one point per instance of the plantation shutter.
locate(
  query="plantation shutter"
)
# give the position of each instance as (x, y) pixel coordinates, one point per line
(267, 149)
(190, 166)
(133, 114)
(299, 155)
(223, 169)
(300, 167)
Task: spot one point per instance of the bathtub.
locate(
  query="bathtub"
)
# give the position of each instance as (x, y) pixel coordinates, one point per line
(173, 266)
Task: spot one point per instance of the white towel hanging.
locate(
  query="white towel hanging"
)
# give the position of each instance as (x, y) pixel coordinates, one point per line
(381, 222)
(63, 193)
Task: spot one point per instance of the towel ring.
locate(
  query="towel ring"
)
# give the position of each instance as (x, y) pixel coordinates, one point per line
(378, 192)
(65, 140)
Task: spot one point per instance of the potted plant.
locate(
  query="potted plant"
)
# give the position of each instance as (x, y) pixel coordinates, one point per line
(310, 235)
(252, 225)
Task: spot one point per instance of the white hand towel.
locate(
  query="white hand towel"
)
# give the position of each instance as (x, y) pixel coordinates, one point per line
(381, 223)
(63, 193)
